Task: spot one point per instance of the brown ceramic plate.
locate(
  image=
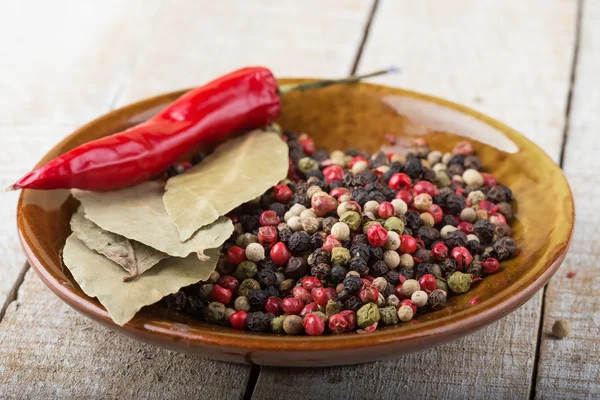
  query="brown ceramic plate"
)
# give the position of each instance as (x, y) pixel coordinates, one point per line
(340, 117)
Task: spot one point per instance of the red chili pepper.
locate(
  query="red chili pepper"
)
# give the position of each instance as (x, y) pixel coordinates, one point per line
(244, 99)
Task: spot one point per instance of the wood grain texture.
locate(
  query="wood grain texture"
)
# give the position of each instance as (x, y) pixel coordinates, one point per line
(570, 368)
(498, 58)
(49, 351)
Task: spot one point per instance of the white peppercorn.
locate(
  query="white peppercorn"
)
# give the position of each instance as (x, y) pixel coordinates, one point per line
(446, 158)
(472, 237)
(340, 231)
(391, 259)
(439, 167)
(398, 158)
(255, 252)
(392, 242)
(457, 178)
(383, 169)
(345, 197)
(472, 177)
(295, 224)
(405, 313)
(407, 261)
(310, 224)
(288, 215)
(308, 213)
(475, 196)
(419, 298)
(409, 287)
(427, 219)
(380, 300)
(446, 230)
(296, 209)
(468, 214)
(311, 191)
(359, 167)
(434, 157)
(338, 157)
(371, 206)
(380, 283)
(400, 205)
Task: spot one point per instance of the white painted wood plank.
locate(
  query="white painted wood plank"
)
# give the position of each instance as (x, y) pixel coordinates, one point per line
(570, 368)
(499, 58)
(48, 351)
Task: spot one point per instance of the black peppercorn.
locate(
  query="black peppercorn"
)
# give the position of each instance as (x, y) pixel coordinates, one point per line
(279, 208)
(267, 263)
(194, 306)
(272, 291)
(316, 240)
(296, 155)
(375, 254)
(360, 195)
(176, 301)
(457, 159)
(316, 174)
(455, 169)
(456, 239)
(354, 303)
(496, 195)
(249, 222)
(368, 176)
(503, 230)
(448, 220)
(359, 265)
(389, 290)
(284, 232)
(436, 299)
(338, 273)
(327, 224)
(352, 284)
(389, 193)
(347, 244)
(423, 269)
(320, 155)
(335, 184)
(379, 159)
(505, 247)
(343, 296)
(296, 267)
(266, 277)
(361, 251)
(429, 174)
(455, 203)
(319, 256)
(484, 230)
(448, 266)
(257, 298)
(424, 255)
(299, 242)
(392, 277)
(360, 239)
(377, 196)
(474, 247)
(413, 220)
(321, 271)
(259, 321)
(371, 187)
(388, 174)
(413, 167)
(475, 269)
(506, 209)
(300, 199)
(439, 200)
(378, 268)
(407, 273)
(472, 162)
(428, 235)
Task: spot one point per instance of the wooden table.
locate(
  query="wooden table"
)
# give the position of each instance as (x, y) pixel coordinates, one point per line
(532, 64)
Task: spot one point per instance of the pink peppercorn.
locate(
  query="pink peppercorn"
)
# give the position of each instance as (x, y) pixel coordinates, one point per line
(405, 196)
(368, 294)
(314, 325)
(269, 217)
(408, 244)
(488, 206)
(323, 205)
(322, 295)
(398, 291)
(238, 320)
(228, 282)
(410, 303)
(377, 235)
(330, 243)
(463, 148)
(350, 317)
(440, 251)
(236, 255)
(400, 181)
(462, 256)
(292, 305)
(280, 254)
(308, 145)
(424, 187)
(310, 282)
(497, 219)
(337, 192)
(282, 193)
(333, 173)
(267, 235)
(386, 210)
(309, 308)
(490, 265)
(437, 213)
(489, 180)
(337, 323)
(273, 305)
(302, 294)
(221, 294)
(428, 283)
(465, 227)
(356, 159)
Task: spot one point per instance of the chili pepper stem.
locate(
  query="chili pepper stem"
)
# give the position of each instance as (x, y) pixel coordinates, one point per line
(328, 82)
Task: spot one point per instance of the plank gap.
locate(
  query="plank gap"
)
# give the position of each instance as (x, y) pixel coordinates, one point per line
(361, 46)
(13, 295)
(252, 379)
(561, 160)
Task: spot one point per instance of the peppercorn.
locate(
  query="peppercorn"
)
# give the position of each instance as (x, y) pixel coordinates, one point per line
(472, 177)
(244, 240)
(310, 224)
(391, 259)
(505, 209)
(468, 215)
(503, 230)
(286, 285)
(367, 315)
(338, 273)
(419, 298)
(375, 254)
(246, 269)
(247, 286)
(455, 203)
(300, 199)
(257, 298)
(443, 285)
(413, 220)
(413, 167)
(505, 247)
(259, 321)
(194, 306)
(484, 231)
(249, 222)
(321, 271)
(379, 268)
(392, 277)
(409, 287)
(352, 220)
(340, 231)
(272, 291)
(561, 328)
(214, 312)
(405, 313)
(292, 324)
(481, 215)
(456, 239)
(307, 164)
(333, 307)
(428, 235)
(299, 242)
(266, 277)
(459, 282)
(277, 324)
(407, 261)
(353, 284)
(316, 240)
(296, 267)
(475, 197)
(437, 299)
(388, 315)
(475, 268)
(340, 256)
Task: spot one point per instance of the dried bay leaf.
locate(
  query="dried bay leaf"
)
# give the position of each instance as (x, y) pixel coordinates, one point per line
(134, 257)
(138, 213)
(101, 278)
(238, 171)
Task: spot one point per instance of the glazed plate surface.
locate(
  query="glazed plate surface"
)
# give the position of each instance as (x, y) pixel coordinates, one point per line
(341, 117)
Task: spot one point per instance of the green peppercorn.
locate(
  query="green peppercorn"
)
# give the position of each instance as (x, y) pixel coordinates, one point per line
(389, 316)
(241, 304)
(247, 286)
(277, 324)
(369, 224)
(292, 324)
(246, 269)
(352, 219)
(394, 224)
(459, 282)
(436, 271)
(367, 315)
(286, 285)
(214, 312)
(340, 256)
(333, 307)
(244, 240)
(442, 285)
(307, 164)
(442, 179)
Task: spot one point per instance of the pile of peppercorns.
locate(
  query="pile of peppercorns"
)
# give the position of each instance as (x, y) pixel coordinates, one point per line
(353, 240)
